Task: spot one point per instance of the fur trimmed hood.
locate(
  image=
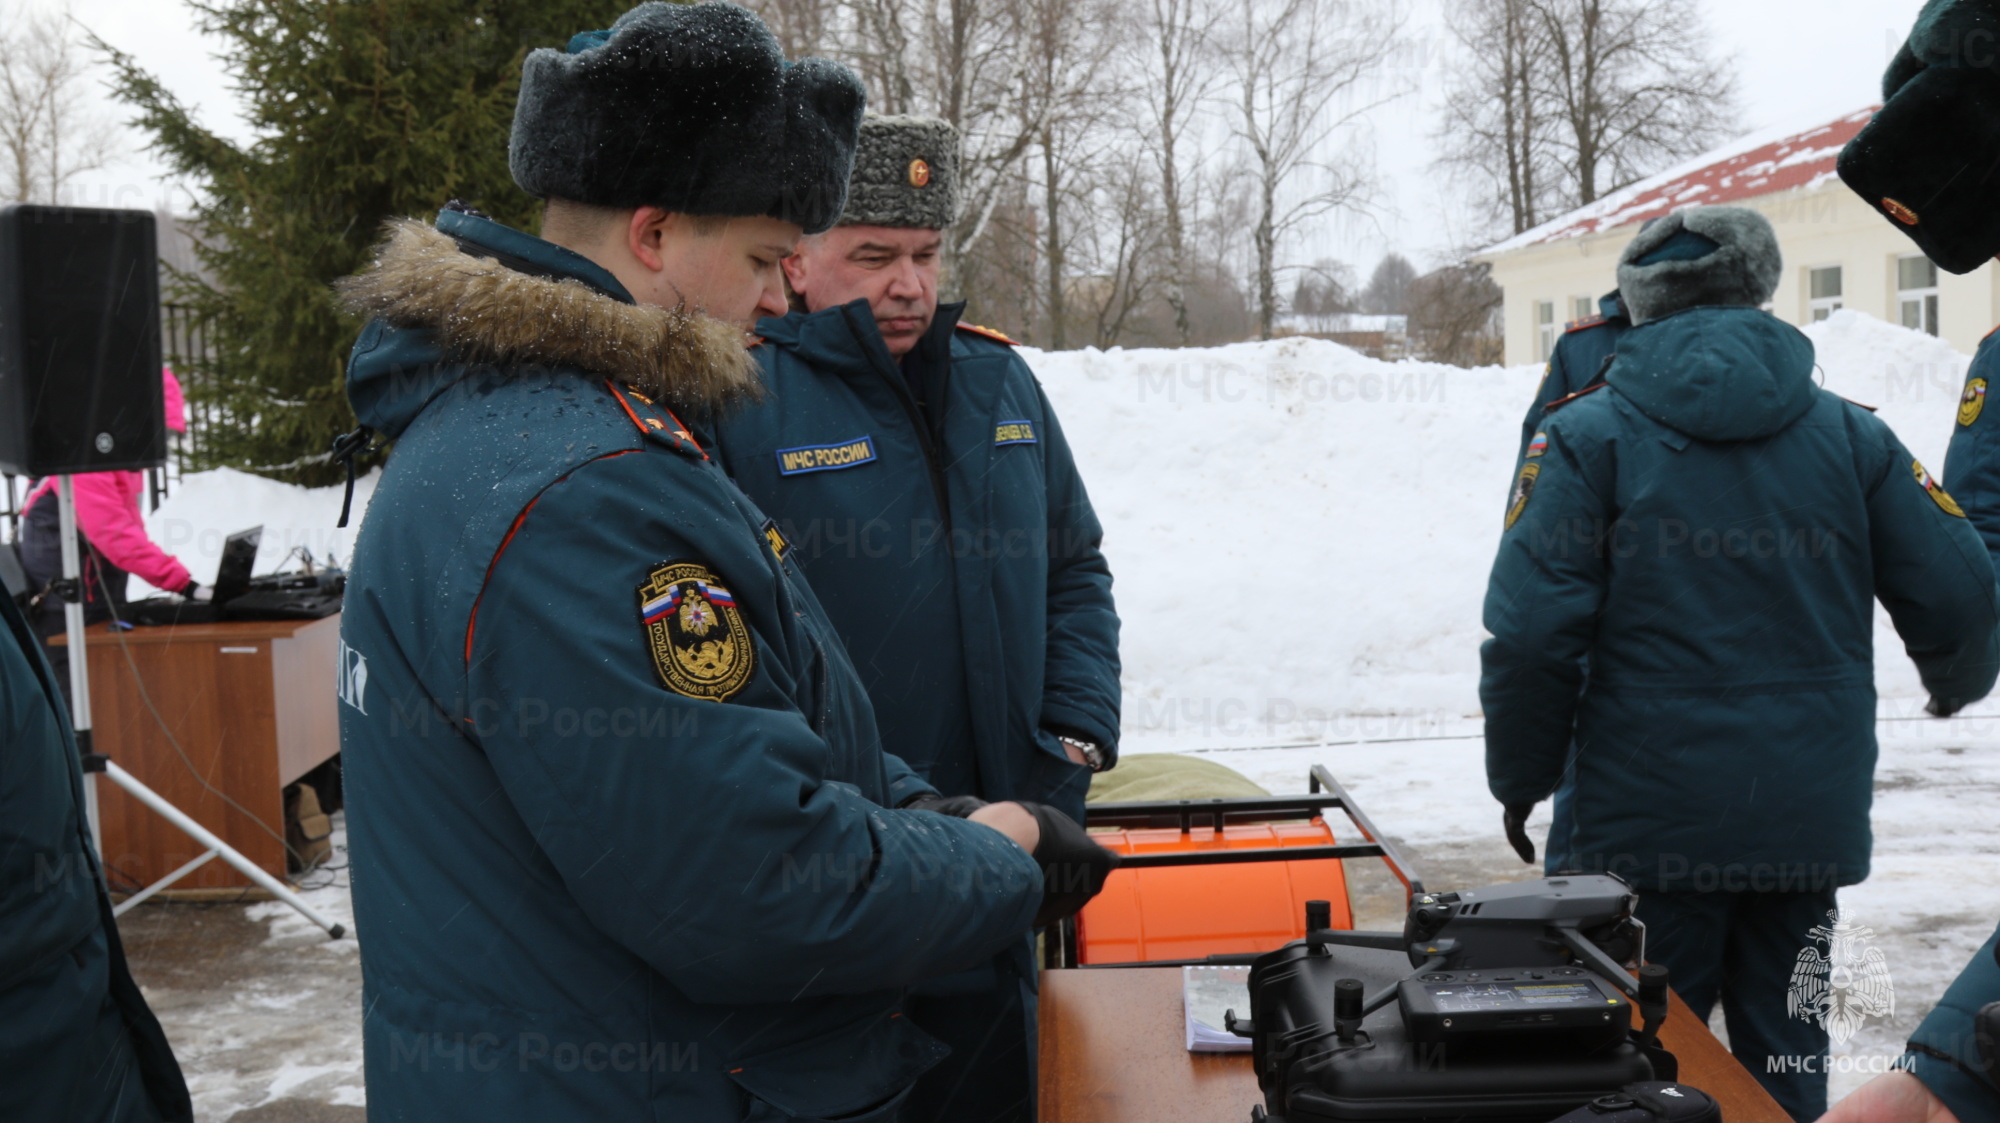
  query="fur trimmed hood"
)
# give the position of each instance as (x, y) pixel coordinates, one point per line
(481, 311)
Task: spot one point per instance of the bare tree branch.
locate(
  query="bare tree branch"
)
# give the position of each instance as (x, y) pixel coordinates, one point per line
(1301, 68)
(48, 135)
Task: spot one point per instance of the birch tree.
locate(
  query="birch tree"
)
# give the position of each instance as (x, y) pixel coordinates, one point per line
(1492, 131)
(1180, 37)
(1632, 87)
(1304, 72)
(1556, 103)
(48, 134)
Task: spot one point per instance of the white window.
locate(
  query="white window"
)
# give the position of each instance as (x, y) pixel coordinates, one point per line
(1823, 292)
(1585, 308)
(1545, 327)
(1917, 293)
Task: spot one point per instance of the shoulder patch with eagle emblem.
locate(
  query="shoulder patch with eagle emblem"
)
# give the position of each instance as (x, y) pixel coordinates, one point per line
(1973, 402)
(1935, 490)
(700, 645)
(1524, 489)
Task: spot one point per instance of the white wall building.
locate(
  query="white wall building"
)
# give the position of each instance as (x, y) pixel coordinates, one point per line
(1839, 252)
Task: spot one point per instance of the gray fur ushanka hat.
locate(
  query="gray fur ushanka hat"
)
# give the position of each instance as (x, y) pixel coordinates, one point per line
(688, 108)
(905, 174)
(1704, 256)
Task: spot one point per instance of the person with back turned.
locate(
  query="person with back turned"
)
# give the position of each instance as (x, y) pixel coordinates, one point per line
(917, 472)
(1711, 530)
(625, 842)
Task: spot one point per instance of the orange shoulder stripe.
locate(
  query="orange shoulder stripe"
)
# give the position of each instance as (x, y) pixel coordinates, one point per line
(1561, 402)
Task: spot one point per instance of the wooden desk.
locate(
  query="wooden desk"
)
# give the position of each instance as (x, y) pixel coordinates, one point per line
(253, 707)
(1113, 1050)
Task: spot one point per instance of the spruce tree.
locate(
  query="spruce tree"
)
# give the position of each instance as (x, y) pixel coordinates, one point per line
(362, 110)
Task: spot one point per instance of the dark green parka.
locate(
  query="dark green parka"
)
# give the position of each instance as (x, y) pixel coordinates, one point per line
(1577, 363)
(1712, 531)
(954, 546)
(616, 802)
(1972, 465)
(1945, 1052)
(77, 1041)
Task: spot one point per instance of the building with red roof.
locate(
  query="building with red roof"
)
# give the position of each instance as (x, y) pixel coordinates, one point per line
(1839, 253)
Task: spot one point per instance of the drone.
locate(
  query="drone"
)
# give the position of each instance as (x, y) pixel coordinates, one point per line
(1519, 1005)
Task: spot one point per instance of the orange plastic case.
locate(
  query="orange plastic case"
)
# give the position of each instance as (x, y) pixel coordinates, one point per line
(1188, 912)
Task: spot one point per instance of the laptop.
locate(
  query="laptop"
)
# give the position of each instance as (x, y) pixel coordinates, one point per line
(232, 580)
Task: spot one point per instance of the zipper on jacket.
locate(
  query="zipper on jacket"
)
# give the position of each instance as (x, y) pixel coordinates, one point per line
(926, 440)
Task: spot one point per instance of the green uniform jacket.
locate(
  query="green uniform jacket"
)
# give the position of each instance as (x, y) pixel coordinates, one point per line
(1944, 1052)
(955, 549)
(1577, 363)
(1972, 465)
(1711, 531)
(77, 1041)
(615, 794)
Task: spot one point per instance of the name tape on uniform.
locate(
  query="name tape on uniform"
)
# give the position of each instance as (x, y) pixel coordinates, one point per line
(825, 458)
(1014, 433)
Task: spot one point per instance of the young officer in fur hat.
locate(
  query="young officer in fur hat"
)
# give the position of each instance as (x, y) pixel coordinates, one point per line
(919, 476)
(623, 832)
(1711, 531)
(1928, 163)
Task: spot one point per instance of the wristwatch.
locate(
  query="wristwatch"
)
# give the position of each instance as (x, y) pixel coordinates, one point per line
(1093, 757)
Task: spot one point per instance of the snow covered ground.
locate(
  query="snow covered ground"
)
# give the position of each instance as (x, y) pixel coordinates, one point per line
(1301, 538)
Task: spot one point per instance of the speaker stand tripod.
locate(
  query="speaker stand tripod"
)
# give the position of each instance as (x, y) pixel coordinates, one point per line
(95, 762)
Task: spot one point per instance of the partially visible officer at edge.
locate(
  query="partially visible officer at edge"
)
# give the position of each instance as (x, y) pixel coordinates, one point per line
(1712, 530)
(1577, 363)
(621, 822)
(77, 1041)
(1925, 163)
(920, 478)
(1935, 128)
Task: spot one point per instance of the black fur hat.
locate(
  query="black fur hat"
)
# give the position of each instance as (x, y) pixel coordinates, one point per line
(1703, 256)
(689, 108)
(1930, 160)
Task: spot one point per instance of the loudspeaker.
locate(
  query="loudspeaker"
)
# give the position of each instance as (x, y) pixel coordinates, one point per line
(79, 341)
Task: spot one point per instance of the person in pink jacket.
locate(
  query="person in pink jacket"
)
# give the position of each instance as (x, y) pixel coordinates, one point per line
(114, 541)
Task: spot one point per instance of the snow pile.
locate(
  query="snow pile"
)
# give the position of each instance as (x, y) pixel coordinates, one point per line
(1301, 535)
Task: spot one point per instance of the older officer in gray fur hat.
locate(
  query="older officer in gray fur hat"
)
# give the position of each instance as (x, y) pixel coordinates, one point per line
(918, 475)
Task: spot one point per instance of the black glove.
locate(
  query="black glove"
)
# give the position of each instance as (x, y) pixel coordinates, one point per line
(956, 806)
(1073, 866)
(1942, 707)
(1515, 819)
